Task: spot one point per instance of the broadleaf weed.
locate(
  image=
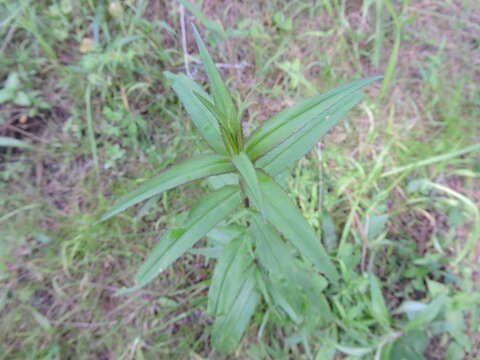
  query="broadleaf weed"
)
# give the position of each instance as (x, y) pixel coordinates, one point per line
(275, 234)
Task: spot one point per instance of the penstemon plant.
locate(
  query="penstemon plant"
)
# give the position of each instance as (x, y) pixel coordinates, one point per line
(277, 258)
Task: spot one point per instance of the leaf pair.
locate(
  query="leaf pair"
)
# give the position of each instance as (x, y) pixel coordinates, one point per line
(286, 123)
(203, 216)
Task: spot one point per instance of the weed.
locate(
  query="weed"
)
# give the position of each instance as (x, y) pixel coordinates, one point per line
(395, 183)
(255, 261)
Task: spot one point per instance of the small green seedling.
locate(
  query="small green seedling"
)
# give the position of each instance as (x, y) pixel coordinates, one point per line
(278, 256)
(14, 91)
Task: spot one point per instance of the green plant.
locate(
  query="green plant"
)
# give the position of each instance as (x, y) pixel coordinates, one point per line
(10, 142)
(14, 91)
(289, 275)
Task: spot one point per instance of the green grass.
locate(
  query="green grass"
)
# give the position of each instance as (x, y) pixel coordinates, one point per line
(393, 189)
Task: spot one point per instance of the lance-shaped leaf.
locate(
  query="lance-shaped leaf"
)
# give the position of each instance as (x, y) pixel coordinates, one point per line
(211, 108)
(296, 146)
(235, 260)
(205, 122)
(221, 96)
(207, 213)
(229, 138)
(287, 219)
(276, 257)
(282, 125)
(249, 176)
(273, 253)
(229, 328)
(378, 307)
(179, 174)
(294, 288)
(231, 298)
(427, 315)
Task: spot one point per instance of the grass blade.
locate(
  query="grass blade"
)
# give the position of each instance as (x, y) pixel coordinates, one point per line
(201, 117)
(286, 218)
(392, 60)
(179, 174)
(90, 130)
(17, 211)
(432, 160)
(10, 142)
(282, 125)
(295, 147)
(207, 213)
(197, 12)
